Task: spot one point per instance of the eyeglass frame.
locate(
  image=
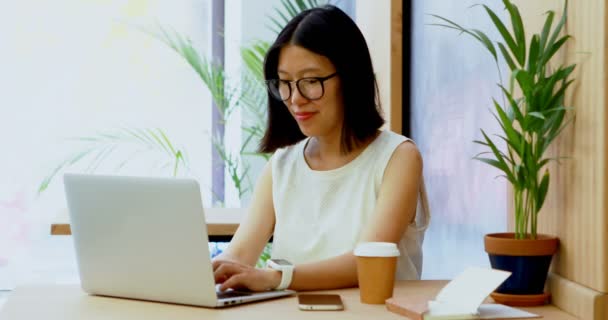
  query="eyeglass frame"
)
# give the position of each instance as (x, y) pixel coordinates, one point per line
(297, 82)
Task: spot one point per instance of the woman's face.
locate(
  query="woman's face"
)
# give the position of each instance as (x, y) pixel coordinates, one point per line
(315, 117)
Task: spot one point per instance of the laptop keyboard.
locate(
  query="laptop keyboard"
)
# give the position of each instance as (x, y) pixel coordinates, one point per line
(232, 294)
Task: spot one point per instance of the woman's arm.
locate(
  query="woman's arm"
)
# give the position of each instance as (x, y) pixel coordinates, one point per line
(398, 197)
(255, 230)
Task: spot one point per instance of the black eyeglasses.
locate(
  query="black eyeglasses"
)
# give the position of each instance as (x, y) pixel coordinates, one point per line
(310, 88)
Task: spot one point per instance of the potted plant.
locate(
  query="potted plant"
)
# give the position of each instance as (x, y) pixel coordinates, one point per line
(531, 116)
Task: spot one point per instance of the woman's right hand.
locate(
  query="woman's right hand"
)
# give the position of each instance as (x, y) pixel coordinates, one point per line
(236, 275)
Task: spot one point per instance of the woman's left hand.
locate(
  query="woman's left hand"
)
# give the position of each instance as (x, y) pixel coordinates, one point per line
(235, 275)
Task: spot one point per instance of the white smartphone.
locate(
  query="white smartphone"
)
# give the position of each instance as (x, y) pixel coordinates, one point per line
(320, 302)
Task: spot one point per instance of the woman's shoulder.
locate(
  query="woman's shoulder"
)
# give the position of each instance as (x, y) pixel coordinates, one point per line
(391, 141)
(393, 136)
(396, 148)
(283, 155)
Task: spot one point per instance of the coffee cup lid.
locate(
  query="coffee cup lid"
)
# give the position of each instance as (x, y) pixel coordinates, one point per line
(377, 249)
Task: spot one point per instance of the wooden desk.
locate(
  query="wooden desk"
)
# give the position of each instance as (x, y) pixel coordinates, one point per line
(66, 302)
(221, 222)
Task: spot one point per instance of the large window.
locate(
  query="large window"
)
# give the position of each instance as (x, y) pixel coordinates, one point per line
(452, 83)
(85, 70)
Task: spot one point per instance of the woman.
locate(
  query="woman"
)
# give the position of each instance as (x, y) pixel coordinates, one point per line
(335, 179)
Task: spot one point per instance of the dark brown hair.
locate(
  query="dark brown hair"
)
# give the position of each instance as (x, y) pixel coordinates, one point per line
(329, 32)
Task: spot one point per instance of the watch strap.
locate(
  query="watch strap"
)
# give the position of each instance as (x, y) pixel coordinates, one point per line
(286, 275)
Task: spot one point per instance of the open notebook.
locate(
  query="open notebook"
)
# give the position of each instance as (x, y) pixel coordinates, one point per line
(461, 298)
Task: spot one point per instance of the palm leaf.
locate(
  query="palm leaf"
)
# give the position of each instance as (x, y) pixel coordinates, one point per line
(504, 32)
(546, 29)
(542, 191)
(486, 42)
(559, 26)
(553, 48)
(99, 147)
(518, 29)
(514, 138)
(507, 56)
(502, 164)
(213, 75)
(64, 164)
(476, 34)
(253, 57)
(534, 50)
(288, 10)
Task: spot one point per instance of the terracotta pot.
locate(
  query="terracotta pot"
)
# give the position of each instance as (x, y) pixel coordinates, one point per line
(506, 244)
(528, 260)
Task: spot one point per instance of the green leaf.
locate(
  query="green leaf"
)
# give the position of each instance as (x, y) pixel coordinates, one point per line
(532, 59)
(158, 141)
(483, 143)
(552, 49)
(495, 164)
(284, 17)
(138, 134)
(507, 158)
(485, 41)
(476, 34)
(482, 153)
(497, 154)
(506, 36)
(451, 24)
(290, 8)
(515, 108)
(253, 57)
(212, 75)
(554, 133)
(524, 80)
(518, 30)
(66, 163)
(542, 191)
(513, 136)
(559, 26)
(563, 73)
(537, 115)
(558, 109)
(557, 98)
(507, 56)
(445, 26)
(276, 26)
(301, 5)
(102, 154)
(167, 142)
(546, 29)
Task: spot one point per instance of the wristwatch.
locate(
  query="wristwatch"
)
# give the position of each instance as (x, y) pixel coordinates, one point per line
(286, 269)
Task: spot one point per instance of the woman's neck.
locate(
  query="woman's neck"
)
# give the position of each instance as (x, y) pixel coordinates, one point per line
(325, 147)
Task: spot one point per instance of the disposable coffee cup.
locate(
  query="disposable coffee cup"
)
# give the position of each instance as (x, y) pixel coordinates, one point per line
(376, 264)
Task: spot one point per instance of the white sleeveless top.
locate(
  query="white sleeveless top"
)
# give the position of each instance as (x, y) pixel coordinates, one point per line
(320, 214)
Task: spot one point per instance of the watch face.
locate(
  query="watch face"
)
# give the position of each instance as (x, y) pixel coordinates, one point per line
(281, 262)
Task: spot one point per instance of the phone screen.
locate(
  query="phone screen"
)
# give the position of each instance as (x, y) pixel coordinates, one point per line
(320, 302)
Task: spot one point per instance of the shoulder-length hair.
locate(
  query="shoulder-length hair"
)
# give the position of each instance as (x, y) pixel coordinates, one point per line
(329, 32)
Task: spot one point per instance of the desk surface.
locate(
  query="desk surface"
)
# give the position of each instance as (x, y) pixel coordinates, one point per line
(220, 222)
(66, 302)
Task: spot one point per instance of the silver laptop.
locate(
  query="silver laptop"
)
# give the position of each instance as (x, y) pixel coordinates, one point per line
(145, 238)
